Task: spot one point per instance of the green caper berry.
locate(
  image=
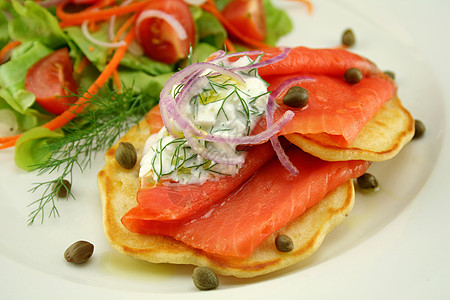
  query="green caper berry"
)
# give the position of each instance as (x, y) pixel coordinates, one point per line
(62, 188)
(296, 97)
(353, 75)
(79, 252)
(126, 155)
(205, 279)
(419, 130)
(284, 243)
(348, 38)
(368, 182)
(390, 74)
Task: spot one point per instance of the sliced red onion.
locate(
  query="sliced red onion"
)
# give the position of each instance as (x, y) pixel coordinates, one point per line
(85, 30)
(270, 112)
(191, 77)
(224, 56)
(189, 72)
(270, 61)
(166, 108)
(259, 138)
(174, 23)
(211, 153)
(287, 83)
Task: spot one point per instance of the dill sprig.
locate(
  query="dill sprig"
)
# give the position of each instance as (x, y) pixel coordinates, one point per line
(109, 115)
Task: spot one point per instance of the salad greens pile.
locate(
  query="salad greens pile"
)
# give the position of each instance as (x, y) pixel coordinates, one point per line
(39, 33)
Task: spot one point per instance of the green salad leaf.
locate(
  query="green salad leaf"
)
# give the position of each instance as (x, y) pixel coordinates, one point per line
(12, 75)
(35, 23)
(210, 30)
(278, 23)
(4, 35)
(142, 83)
(28, 150)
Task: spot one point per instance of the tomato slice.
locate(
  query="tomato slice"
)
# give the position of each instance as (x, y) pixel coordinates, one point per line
(248, 16)
(158, 38)
(51, 81)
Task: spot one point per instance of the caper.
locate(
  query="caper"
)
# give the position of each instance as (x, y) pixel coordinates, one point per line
(296, 97)
(62, 188)
(205, 279)
(79, 252)
(353, 75)
(368, 182)
(348, 38)
(390, 74)
(419, 129)
(284, 243)
(126, 155)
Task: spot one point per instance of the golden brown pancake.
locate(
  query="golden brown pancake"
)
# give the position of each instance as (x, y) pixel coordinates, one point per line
(380, 139)
(118, 188)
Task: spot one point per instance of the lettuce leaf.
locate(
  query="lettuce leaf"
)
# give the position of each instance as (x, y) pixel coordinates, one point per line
(142, 83)
(29, 147)
(35, 23)
(96, 54)
(145, 64)
(4, 35)
(12, 75)
(99, 55)
(210, 30)
(278, 23)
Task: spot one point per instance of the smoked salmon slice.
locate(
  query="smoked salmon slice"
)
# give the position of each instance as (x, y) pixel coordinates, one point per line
(174, 201)
(333, 62)
(335, 107)
(272, 197)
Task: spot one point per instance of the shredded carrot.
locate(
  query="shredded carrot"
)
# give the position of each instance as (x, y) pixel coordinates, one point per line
(210, 7)
(74, 110)
(123, 28)
(69, 19)
(93, 26)
(8, 144)
(229, 45)
(9, 138)
(116, 79)
(308, 4)
(4, 52)
(79, 105)
(83, 63)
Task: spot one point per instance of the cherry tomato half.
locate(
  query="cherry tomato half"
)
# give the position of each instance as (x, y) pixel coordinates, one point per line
(248, 16)
(159, 40)
(50, 78)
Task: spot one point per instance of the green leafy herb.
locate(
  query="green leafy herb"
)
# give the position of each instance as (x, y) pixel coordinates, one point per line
(110, 115)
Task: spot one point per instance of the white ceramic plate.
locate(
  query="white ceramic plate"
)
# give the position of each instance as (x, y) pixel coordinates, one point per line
(395, 244)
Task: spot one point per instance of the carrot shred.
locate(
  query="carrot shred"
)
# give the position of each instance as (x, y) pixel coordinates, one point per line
(116, 79)
(210, 7)
(79, 105)
(8, 144)
(74, 110)
(69, 19)
(308, 4)
(11, 45)
(83, 63)
(123, 28)
(230, 46)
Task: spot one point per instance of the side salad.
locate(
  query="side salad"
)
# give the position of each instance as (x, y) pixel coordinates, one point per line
(76, 74)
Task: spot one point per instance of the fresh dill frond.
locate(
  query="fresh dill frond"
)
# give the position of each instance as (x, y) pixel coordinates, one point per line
(109, 115)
